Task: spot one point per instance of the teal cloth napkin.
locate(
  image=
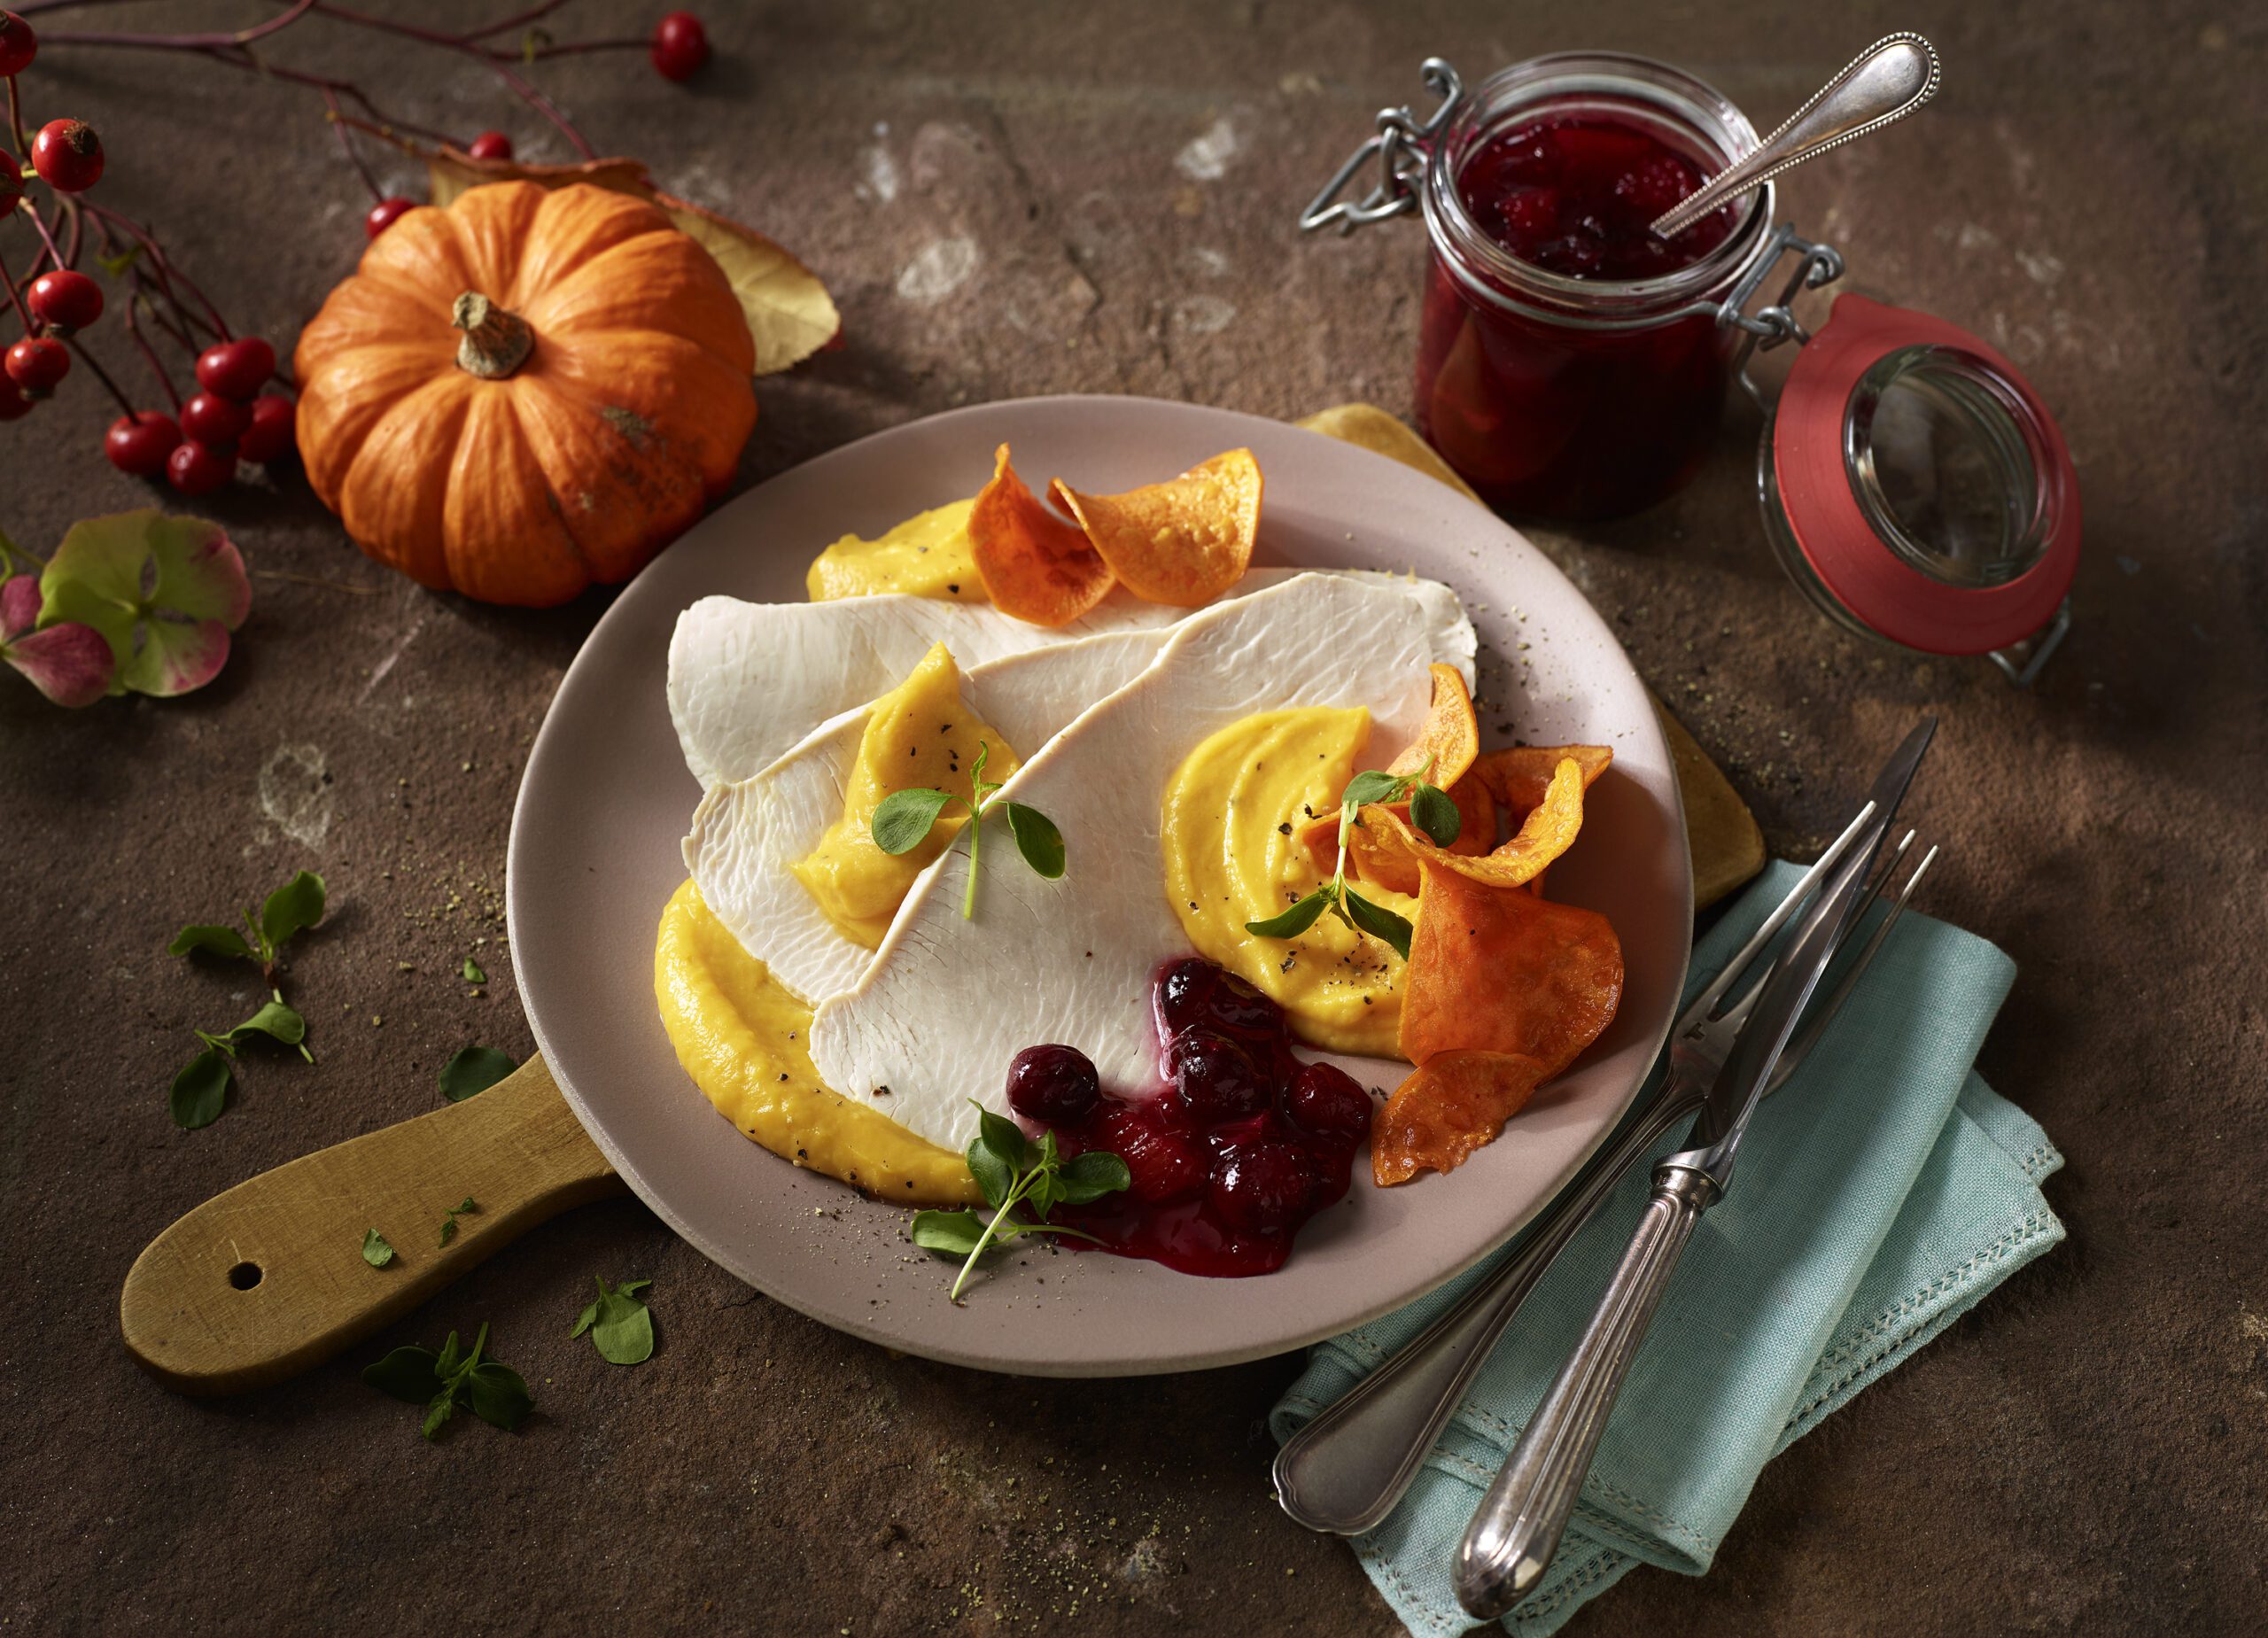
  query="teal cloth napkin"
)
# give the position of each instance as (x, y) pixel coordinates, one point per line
(1880, 1194)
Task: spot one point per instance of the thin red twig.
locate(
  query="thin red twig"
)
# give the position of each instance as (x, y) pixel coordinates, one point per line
(180, 43)
(134, 304)
(101, 374)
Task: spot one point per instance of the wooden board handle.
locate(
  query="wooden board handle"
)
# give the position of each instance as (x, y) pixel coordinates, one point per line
(267, 1279)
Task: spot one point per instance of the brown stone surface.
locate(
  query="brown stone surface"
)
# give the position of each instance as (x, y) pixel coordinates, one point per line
(1020, 200)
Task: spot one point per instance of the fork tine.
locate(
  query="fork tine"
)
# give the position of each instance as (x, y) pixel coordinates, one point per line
(1735, 1011)
(1704, 1005)
(1822, 1013)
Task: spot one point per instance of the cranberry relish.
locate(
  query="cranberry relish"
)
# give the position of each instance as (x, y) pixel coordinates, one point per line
(1245, 1144)
(1574, 196)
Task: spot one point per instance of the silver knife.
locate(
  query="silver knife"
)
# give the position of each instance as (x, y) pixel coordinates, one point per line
(1517, 1528)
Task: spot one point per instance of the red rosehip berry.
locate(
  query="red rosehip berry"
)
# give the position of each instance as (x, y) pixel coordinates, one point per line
(385, 213)
(197, 468)
(235, 369)
(18, 45)
(66, 301)
(490, 146)
(680, 46)
(211, 419)
(67, 155)
(139, 443)
(274, 432)
(38, 365)
(14, 404)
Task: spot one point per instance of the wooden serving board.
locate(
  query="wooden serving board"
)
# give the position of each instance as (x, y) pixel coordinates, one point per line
(267, 1279)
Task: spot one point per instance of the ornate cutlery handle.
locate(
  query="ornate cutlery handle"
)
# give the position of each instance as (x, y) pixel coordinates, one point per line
(1345, 1470)
(1517, 1530)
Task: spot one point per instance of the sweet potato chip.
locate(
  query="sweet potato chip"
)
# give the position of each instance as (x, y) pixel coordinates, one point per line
(1386, 849)
(1503, 990)
(1184, 541)
(1451, 1105)
(1034, 566)
(1451, 737)
(1501, 971)
(1519, 777)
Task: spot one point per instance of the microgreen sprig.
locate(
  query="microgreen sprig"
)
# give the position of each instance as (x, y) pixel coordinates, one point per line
(201, 1089)
(441, 1382)
(905, 817)
(619, 1324)
(1436, 815)
(1011, 1171)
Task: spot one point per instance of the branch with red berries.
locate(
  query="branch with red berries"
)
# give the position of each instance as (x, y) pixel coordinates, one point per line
(242, 409)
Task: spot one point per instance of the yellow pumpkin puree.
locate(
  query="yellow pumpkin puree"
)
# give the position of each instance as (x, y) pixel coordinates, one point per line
(920, 734)
(1228, 830)
(927, 555)
(745, 1042)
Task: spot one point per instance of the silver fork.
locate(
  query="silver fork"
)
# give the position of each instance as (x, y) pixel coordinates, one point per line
(1345, 1470)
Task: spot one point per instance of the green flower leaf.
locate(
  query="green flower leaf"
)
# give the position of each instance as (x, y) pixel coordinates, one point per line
(1378, 922)
(952, 1233)
(410, 1374)
(1296, 920)
(163, 592)
(1435, 814)
(905, 817)
(295, 906)
(377, 1254)
(218, 940)
(474, 1069)
(1037, 839)
(200, 1091)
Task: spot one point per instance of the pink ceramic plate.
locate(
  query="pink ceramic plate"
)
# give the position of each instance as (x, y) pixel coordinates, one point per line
(607, 797)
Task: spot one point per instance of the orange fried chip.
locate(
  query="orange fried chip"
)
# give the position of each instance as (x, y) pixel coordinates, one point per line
(1503, 990)
(1386, 849)
(1451, 1105)
(1184, 541)
(1519, 777)
(1034, 566)
(1451, 737)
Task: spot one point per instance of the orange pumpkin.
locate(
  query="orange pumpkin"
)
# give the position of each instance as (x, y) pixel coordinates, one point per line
(526, 393)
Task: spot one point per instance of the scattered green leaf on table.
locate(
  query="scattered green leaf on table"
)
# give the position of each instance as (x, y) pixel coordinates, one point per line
(473, 1070)
(376, 1252)
(619, 1324)
(220, 940)
(472, 973)
(200, 1091)
(442, 1382)
(295, 906)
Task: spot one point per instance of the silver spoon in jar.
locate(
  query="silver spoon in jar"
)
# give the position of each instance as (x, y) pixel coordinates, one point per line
(1888, 80)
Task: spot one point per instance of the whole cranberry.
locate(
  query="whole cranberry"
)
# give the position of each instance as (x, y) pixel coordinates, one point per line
(490, 146)
(1267, 1184)
(1324, 1099)
(197, 468)
(67, 155)
(274, 433)
(1163, 1158)
(1193, 991)
(1215, 1079)
(139, 443)
(66, 301)
(235, 369)
(211, 419)
(37, 365)
(384, 214)
(1055, 1085)
(18, 45)
(680, 45)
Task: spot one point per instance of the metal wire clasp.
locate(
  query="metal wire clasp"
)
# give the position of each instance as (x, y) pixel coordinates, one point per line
(1775, 321)
(1399, 147)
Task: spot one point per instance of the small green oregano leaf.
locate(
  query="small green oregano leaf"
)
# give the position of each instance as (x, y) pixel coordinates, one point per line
(1435, 814)
(408, 1373)
(619, 1322)
(954, 1233)
(1037, 839)
(1379, 923)
(1090, 1176)
(218, 940)
(472, 972)
(904, 819)
(292, 908)
(200, 1091)
(474, 1069)
(451, 1378)
(1372, 786)
(1292, 922)
(376, 1252)
(449, 1220)
(1012, 1171)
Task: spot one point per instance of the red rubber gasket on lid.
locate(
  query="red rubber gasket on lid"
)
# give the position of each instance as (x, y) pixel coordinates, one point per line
(1858, 568)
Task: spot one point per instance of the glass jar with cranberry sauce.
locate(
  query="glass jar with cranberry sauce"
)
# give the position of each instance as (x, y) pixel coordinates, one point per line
(1573, 365)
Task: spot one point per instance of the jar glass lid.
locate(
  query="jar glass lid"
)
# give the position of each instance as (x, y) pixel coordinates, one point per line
(1925, 483)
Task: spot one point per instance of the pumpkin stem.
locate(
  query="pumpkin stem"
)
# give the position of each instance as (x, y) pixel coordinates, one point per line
(496, 343)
